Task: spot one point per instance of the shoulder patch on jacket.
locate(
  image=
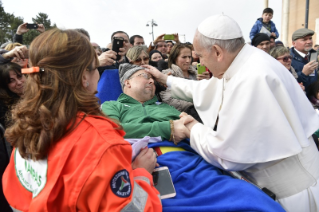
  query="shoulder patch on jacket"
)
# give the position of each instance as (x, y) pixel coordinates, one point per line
(31, 174)
(121, 184)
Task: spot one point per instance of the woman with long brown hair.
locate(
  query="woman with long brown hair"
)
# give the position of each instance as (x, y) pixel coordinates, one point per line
(68, 156)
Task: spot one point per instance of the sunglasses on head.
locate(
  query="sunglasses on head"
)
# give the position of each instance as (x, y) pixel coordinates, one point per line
(285, 59)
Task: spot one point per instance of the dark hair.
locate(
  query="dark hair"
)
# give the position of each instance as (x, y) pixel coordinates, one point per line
(268, 10)
(84, 32)
(6, 95)
(316, 45)
(118, 32)
(133, 38)
(154, 51)
(272, 37)
(54, 97)
(175, 53)
(314, 89)
(162, 65)
(169, 41)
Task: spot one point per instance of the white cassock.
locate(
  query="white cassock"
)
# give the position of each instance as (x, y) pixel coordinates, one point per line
(265, 127)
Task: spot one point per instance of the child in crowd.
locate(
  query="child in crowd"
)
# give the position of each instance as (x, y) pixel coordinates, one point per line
(265, 25)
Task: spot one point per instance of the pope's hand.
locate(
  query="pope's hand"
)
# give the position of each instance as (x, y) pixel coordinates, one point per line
(159, 76)
(190, 125)
(183, 114)
(180, 131)
(186, 118)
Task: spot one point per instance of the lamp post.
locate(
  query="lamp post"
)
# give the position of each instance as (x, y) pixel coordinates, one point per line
(152, 24)
(184, 37)
(307, 14)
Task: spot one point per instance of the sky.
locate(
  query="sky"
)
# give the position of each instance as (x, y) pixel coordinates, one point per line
(103, 17)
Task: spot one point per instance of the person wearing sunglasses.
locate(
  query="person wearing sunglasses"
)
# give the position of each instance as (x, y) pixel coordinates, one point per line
(281, 54)
(138, 55)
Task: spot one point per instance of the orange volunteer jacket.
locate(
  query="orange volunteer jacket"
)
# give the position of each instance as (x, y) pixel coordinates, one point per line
(88, 170)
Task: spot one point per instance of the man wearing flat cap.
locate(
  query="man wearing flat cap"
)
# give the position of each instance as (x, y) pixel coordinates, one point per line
(256, 118)
(301, 53)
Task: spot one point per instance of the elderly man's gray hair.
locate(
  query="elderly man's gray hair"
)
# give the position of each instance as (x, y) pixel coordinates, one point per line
(230, 46)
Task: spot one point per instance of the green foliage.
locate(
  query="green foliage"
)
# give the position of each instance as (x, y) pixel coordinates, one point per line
(9, 24)
(4, 25)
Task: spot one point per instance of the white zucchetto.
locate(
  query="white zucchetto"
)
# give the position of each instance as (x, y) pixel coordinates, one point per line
(220, 27)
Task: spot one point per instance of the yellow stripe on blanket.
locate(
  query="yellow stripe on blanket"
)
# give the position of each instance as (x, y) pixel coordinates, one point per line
(166, 149)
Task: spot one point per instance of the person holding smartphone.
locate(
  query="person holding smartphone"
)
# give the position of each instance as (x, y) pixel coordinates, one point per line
(112, 58)
(23, 28)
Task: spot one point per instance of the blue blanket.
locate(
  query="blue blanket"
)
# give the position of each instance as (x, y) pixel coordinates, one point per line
(202, 187)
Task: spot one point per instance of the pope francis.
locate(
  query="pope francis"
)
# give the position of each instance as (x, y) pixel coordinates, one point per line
(256, 118)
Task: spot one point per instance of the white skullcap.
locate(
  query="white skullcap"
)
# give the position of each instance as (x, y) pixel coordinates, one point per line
(220, 27)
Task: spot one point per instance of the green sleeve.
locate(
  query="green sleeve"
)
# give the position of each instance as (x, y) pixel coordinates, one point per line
(111, 109)
(140, 130)
(137, 130)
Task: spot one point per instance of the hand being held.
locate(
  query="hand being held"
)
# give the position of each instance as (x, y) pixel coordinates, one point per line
(180, 131)
(145, 159)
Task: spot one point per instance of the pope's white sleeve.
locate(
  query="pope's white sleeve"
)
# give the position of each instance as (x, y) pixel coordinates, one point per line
(181, 88)
(200, 138)
(169, 82)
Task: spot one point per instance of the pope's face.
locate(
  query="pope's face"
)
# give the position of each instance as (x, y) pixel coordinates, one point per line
(208, 59)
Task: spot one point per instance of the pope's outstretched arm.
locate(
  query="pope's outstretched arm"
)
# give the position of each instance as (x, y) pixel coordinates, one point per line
(182, 91)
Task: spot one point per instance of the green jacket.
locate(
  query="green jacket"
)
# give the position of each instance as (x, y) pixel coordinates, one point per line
(139, 120)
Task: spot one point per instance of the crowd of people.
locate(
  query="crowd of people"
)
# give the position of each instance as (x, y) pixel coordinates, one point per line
(253, 111)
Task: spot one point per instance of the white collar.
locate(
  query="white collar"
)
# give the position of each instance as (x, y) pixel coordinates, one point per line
(300, 53)
(241, 58)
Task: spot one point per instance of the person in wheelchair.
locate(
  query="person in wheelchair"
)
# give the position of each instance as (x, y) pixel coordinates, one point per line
(199, 185)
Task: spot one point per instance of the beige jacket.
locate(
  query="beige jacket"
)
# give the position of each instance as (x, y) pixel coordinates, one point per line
(176, 71)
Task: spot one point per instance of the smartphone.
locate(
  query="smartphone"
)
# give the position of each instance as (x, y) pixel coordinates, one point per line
(163, 182)
(116, 45)
(314, 56)
(200, 69)
(32, 26)
(169, 37)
